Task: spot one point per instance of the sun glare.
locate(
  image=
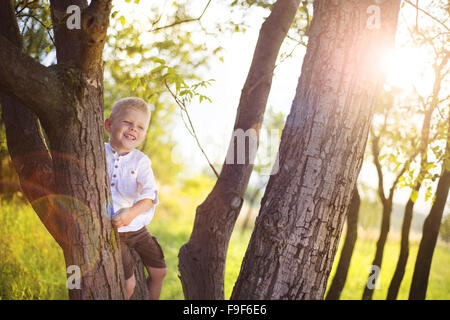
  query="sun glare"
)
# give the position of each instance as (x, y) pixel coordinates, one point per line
(409, 68)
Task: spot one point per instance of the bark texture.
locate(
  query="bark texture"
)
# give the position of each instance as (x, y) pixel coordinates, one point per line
(66, 181)
(292, 248)
(334, 292)
(202, 258)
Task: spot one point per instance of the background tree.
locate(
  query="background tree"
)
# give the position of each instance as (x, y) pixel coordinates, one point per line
(398, 154)
(431, 230)
(435, 38)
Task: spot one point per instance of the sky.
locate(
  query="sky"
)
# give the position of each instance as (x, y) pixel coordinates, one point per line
(214, 121)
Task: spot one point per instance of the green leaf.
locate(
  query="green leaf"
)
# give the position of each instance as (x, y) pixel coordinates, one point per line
(122, 20)
(158, 69)
(428, 194)
(414, 195)
(158, 60)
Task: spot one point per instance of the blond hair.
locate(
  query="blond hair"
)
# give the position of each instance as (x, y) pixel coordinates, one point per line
(129, 103)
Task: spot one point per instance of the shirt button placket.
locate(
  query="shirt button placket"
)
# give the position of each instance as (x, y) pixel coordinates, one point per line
(116, 166)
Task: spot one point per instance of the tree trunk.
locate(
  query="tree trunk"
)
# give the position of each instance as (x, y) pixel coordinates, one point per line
(384, 231)
(399, 272)
(347, 250)
(430, 232)
(297, 232)
(202, 258)
(69, 186)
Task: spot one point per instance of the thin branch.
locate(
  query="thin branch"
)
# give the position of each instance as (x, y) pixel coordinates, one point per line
(193, 133)
(402, 171)
(47, 28)
(426, 13)
(376, 154)
(25, 6)
(183, 21)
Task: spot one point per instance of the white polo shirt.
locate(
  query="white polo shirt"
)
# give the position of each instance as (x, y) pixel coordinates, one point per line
(131, 180)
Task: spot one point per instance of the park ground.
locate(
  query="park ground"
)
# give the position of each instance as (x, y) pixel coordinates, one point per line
(32, 264)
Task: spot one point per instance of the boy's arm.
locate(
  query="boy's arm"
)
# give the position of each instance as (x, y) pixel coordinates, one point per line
(126, 215)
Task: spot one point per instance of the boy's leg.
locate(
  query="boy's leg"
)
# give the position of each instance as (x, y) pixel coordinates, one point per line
(155, 281)
(130, 284)
(128, 264)
(153, 258)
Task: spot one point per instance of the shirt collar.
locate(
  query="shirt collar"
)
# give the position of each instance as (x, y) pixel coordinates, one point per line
(115, 153)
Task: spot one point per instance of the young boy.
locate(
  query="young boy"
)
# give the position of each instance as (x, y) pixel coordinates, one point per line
(133, 191)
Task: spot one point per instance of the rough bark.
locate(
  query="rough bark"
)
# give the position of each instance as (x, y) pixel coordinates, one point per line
(202, 258)
(430, 232)
(292, 248)
(334, 292)
(70, 191)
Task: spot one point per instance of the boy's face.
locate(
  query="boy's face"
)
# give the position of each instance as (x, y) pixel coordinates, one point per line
(127, 129)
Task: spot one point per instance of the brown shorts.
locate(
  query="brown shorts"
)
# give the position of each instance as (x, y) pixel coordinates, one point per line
(146, 246)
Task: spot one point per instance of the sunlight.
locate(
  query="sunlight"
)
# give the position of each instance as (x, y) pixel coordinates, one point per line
(409, 67)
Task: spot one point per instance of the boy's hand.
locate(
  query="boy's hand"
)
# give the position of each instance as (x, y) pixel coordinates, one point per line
(122, 218)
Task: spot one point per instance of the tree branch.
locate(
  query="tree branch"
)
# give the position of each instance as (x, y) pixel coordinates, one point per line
(66, 41)
(402, 171)
(26, 144)
(190, 127)
(428, 14)
(28, 81)
(376, 161)
(83, 47)
(95, 22)
(183, 21)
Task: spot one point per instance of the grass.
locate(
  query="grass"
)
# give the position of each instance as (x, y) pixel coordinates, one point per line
(32, 264)
(439, 281)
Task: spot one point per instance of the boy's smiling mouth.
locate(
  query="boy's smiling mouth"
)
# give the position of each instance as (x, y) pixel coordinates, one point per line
(129, 136)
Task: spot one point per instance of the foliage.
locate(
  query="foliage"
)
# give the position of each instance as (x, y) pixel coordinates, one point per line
(136, 66)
